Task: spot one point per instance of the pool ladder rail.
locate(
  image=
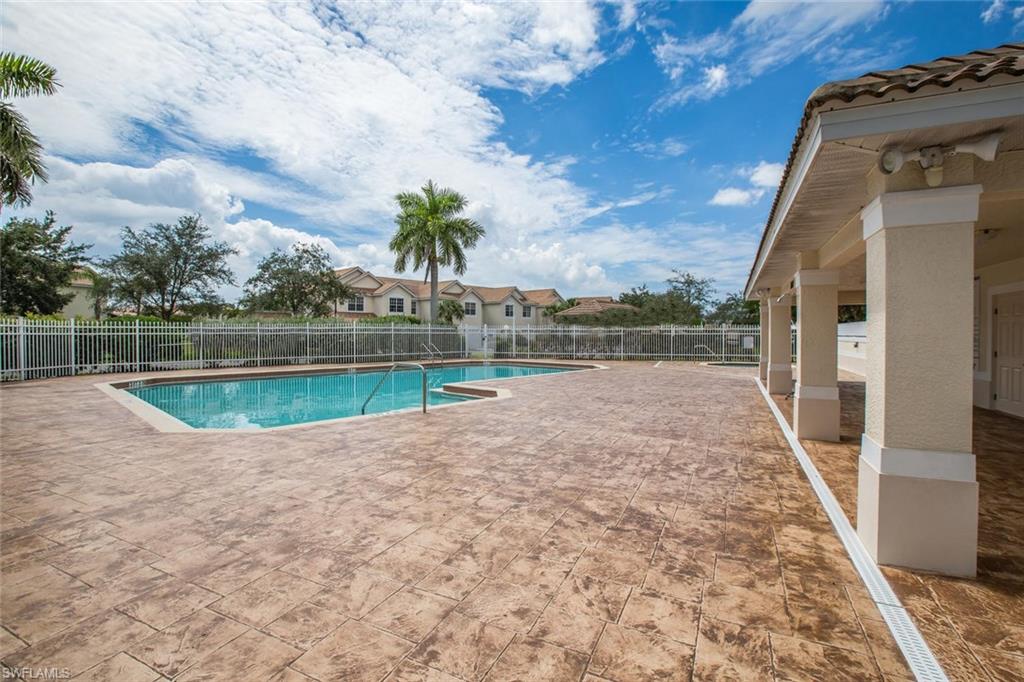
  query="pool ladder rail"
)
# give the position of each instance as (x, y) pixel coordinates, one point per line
(431, 349)
(395, 365)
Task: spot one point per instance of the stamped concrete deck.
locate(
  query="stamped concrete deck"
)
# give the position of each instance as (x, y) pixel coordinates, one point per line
(623, 524)
(974, 627)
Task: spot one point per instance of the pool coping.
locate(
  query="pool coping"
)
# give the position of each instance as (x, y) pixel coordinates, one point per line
(166, 423)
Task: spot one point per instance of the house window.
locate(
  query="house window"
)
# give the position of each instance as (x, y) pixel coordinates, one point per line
(396, 305)
(356, 304)
(469, 308)
(527, 311)
(412, 307)
(510, 310)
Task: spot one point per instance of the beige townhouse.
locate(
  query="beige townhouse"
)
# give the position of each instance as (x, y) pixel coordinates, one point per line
(379, 296)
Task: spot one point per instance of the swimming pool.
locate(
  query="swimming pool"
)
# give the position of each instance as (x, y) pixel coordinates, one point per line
(265, 402)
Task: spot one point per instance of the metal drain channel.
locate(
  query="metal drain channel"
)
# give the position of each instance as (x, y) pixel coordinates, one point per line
(919, 657)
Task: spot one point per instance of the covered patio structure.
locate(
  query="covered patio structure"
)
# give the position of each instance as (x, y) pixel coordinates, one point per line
(904, 192)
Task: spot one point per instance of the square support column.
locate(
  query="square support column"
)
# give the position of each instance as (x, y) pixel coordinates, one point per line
(763, 361)
(917, 498)
(780, 345)
(816, 407)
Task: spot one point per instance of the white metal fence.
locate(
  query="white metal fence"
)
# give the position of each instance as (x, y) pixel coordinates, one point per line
(31, 349)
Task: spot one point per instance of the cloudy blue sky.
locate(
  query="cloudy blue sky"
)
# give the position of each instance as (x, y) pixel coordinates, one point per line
(601, 145)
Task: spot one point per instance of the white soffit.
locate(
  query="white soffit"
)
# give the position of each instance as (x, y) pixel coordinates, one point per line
(827, 185)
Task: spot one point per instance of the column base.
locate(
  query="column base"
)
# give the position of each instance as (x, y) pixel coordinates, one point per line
(816, 413)
(917, 521)
(762, 369)
(780, 379)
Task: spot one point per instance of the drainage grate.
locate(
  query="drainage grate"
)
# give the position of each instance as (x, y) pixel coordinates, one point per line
(919, 657)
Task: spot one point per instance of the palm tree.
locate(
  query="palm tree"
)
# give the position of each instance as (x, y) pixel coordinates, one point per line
(21, 155)
(431, 233)
(450, 311)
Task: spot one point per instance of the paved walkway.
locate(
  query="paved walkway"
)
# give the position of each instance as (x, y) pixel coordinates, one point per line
(974, 627)
(626, 524)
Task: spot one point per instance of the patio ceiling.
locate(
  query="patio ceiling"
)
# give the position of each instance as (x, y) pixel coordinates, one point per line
(831, 171)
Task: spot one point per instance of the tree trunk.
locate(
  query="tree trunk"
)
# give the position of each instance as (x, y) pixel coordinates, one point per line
(433, 290)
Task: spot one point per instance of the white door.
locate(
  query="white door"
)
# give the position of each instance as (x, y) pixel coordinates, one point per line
(1009, 353)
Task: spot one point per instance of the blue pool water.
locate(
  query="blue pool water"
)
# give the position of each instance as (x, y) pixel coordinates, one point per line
(279, 401)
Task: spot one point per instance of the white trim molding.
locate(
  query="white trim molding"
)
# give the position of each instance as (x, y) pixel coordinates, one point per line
(817, 392)
(935, 464)
(808, 278)
(938, 206)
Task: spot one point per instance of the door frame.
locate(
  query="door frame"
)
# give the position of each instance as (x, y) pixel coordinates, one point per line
(990, 344)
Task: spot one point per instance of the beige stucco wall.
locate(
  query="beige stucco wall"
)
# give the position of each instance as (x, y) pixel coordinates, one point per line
(79, 306)
(920, 283)
(816, 329)
(364, 282)
(494, 314)
(1009, 272)
(381, 305)
(473, 320)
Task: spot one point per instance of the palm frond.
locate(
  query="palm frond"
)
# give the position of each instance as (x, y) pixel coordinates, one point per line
(23, 76)
(21, 155)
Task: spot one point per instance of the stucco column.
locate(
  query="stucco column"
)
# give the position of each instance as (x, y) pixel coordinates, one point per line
(917, 502)
(763, 362)
(816, 407)
(780, 345)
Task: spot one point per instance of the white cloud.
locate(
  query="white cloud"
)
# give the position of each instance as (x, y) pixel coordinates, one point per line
(628, 13)
(339, 108)
(670, 147)
(734, 196)
(765, 36)
(766, 174)
(762, 177)
(994, 11)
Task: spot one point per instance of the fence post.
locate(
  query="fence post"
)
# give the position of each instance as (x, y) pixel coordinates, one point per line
(353, 342)
(515, 346)
(138, 339)
(527, 342)
(202, 338)
(307, 344)
(392, 342)
(71, 347)
(671, 343)
(21, 348)
(573, 329)
(485, 341)
(259, 348)
(622, 344)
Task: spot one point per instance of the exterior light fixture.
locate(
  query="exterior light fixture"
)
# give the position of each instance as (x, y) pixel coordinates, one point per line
(892, 159)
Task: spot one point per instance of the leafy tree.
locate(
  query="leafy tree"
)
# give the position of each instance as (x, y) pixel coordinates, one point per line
(696, 292)
(36, 261)
(165, 266)
(555, 308)
(735, 309)
(100, 289)
(853, 313)
(638, 296)
(391, 319)
(431, 232)
(450, 312)
(300, 280)
(21, 154)
(210, 309)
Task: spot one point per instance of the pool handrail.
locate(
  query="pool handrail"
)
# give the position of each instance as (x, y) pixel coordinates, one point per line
(423, 381)
(430, 353)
